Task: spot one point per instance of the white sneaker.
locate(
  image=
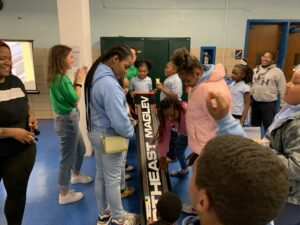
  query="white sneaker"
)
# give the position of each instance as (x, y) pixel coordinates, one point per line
(129, 219)
(127, 176)
(129, 168)
(81, 179)
(72, 196)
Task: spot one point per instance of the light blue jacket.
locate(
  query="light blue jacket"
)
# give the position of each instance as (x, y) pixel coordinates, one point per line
(108, 113)
(229, 125)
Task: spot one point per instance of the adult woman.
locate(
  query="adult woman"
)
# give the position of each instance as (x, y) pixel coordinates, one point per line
(18, 149)
(64, 98)
(107, 116)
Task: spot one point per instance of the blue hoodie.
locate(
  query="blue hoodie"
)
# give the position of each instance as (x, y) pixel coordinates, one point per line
(108, 105)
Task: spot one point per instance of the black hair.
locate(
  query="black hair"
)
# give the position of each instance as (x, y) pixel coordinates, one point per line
(273, 55)
(169, 207)
(122, 51)
(147, 63)
(166, 103)
(185, 62)
(246, 70)
(245, 181)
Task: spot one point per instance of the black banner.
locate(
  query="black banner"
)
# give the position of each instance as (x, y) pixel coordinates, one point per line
(153, 181)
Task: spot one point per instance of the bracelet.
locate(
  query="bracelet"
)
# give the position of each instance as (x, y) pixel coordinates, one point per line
(79, 85)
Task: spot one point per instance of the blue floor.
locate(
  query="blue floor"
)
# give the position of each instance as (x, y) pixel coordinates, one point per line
(42, 194)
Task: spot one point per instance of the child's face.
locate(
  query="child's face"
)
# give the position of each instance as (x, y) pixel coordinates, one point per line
(172, 114)
(143, 72)
(70, 60)
(292, 92)
(169, 69)
(237, 74)
(190, 79)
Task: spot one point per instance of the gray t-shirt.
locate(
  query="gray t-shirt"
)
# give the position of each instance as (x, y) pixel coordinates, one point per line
(174, 84)
(140, 85)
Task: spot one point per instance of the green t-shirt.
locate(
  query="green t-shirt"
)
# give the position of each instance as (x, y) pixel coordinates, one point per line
(62, 95)
(131, 72)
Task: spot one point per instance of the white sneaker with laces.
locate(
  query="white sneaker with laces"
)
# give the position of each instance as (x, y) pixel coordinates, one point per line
(70, 197)
(81, 179)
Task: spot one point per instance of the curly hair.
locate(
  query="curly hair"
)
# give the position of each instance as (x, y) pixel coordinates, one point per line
(184, 61)
(165, 104)
(245, 181)
(169, 207)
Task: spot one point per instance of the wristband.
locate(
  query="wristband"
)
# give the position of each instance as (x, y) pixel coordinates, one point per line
(79, 85)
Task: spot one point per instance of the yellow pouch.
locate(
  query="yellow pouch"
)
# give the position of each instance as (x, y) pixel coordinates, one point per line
(114, 144)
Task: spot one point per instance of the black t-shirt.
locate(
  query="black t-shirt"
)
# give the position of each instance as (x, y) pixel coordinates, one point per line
(13, 112)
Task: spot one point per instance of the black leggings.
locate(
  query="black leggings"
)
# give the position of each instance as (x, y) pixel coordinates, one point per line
(15, 171)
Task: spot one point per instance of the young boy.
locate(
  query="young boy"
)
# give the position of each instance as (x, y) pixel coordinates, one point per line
(168, 207)
(233, 183)
(284, 132)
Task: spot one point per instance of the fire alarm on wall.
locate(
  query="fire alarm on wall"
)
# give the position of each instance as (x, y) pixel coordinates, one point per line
(1, 4)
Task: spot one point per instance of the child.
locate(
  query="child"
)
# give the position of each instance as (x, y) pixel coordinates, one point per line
(240, 90)
(173, 121)
(141, 83)
(64, 98)
(168, 207)
(233, 183)
(284, 134)
(200, 125)
(172, 86)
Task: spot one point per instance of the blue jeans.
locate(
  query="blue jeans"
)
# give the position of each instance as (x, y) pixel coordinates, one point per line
(123, 172)
(108, 177)
(180, 145)
(71, 145)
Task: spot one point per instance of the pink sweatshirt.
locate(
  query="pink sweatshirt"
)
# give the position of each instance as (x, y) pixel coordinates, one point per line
(163, 144)
(201, 127)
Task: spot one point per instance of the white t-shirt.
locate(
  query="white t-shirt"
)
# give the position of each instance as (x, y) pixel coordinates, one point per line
(237, 93)
(139, 85)
(174, 84)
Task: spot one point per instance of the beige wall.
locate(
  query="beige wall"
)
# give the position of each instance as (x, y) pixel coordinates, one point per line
(41, 103)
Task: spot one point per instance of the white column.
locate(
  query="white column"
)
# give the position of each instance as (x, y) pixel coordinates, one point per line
(75, 32)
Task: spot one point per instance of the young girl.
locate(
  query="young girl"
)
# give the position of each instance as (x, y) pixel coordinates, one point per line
(201, 127)
(141, 83)
(172, 86)
(173, 123)
(240, 90)
(64, 98)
